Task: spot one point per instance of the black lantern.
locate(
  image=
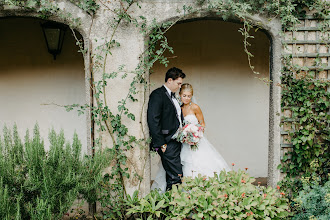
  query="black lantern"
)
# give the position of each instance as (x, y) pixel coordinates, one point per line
(54, 36)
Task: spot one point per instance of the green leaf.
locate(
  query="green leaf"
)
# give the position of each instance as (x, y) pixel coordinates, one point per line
(131, 116)
(310, 142)
(254, 203)
(160, 204)
(224, 216)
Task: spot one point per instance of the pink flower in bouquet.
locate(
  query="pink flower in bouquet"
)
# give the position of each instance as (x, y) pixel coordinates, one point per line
(191, 134)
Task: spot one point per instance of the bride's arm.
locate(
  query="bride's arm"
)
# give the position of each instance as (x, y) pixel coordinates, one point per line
(199, 115)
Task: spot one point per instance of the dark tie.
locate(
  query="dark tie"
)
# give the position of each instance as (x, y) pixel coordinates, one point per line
(172, 95)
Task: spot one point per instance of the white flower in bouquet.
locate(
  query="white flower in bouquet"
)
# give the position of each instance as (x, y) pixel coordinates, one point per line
(194, 130)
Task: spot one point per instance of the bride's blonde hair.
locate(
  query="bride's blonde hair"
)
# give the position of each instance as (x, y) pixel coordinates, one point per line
(186, 87)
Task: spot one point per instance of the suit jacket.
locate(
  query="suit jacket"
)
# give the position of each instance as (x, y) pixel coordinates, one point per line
(162, 117)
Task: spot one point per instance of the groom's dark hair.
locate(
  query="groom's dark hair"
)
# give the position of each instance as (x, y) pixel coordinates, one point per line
(174, 73)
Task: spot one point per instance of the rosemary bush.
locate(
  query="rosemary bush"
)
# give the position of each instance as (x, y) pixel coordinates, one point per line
(38, 184)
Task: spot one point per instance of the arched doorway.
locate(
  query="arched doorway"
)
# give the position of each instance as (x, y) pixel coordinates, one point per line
(32, 83)
(235, 104)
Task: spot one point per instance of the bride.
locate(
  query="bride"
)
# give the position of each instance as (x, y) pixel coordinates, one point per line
(206, 160)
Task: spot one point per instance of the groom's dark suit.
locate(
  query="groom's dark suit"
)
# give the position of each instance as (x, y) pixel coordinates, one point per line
(163, 122)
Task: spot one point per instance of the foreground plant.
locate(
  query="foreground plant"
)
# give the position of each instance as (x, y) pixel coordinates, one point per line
(313, 202)
(227, 195)
(39, 184)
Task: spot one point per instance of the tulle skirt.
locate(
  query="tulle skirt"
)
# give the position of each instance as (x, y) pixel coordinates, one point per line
(206, 160)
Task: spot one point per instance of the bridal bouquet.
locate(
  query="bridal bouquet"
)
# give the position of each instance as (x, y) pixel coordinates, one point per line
(190, 134)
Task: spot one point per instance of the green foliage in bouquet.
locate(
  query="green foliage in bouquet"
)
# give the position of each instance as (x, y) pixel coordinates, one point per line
(227, 195)
(39, 184)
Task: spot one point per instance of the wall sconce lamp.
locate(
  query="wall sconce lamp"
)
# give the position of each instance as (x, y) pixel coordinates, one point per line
(54, 36)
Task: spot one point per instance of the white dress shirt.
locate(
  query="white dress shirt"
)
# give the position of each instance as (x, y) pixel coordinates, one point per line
(176, 103)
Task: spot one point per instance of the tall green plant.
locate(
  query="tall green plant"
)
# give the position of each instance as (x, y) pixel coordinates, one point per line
(6, 209)
(40, 184)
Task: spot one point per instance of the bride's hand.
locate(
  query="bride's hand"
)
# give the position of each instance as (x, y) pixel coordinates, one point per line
(202, 128)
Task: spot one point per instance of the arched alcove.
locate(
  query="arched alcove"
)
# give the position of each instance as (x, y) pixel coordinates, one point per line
(32, 83)
(238, 108)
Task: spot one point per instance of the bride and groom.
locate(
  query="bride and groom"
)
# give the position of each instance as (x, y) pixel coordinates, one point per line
(165, 116)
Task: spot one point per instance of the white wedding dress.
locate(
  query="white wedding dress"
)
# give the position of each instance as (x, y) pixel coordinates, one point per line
(205, 160)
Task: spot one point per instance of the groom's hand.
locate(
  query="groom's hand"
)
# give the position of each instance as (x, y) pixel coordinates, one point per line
(163, 147)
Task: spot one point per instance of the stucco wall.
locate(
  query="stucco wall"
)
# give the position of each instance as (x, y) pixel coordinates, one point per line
(29, 78)
(235, 104)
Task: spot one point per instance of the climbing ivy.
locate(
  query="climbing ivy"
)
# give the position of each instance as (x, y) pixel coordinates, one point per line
(306, 95)
(308, 99)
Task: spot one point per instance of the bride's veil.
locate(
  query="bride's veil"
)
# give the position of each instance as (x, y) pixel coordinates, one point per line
(194, 100)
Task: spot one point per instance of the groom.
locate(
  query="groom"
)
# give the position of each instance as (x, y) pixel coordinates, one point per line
(164, 119)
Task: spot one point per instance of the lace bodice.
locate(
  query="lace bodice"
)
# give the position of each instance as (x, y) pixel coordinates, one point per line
(191, 118)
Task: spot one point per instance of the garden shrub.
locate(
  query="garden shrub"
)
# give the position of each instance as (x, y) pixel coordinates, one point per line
(227, 195)
(152, 206)
(313, 202)
(38, 184)
(6, 205)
